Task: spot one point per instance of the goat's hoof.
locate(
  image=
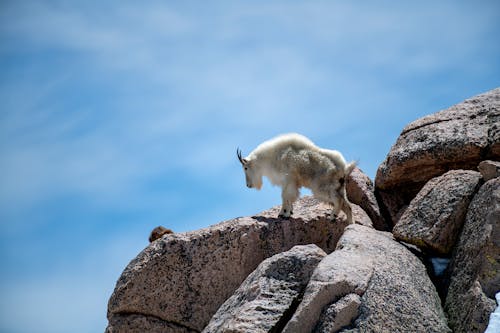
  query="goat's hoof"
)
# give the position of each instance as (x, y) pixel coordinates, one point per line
(285, 214)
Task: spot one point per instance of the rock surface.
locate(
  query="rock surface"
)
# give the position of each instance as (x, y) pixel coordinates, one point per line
(489, 169)
(391, 284)
(339, 314)
(435, 216)
(182, 279)
(457, 138)
(138, 323)
(360, 191)
(269, 294)
(475, 265)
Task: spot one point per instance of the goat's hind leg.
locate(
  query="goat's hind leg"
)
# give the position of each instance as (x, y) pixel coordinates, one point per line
(335, 202)
(339, 201)
(346, 207)
(289, 194)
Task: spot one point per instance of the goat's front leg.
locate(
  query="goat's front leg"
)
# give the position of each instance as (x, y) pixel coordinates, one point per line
(289, 194)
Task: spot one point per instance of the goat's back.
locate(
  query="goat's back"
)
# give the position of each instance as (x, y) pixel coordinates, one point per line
(284, 142)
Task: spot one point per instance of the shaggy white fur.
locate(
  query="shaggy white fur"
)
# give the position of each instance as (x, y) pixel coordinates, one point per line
(292, 161)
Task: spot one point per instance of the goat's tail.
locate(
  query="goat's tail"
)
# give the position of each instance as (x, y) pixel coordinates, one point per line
(343, 179)
(348, 168)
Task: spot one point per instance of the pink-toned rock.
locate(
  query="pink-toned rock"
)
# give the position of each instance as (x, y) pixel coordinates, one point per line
(274, 289)
(370, 283)
(135, 323)
(457, 138)
(180, 280)
(489, 169)
(339, 314)
(475, 264)
(435, 216)
(360, 191)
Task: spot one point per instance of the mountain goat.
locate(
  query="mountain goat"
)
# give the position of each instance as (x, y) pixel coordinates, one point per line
(292, 161)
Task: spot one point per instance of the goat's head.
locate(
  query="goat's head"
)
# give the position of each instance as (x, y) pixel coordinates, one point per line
(252, 174)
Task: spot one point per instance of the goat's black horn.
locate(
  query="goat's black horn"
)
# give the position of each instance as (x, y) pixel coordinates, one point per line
(238, 153)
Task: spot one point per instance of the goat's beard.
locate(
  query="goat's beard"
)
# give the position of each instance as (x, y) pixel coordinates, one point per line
(258, 184)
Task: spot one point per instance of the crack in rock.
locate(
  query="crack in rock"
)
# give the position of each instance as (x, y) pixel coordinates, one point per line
(332, 280)
(268, 297)
(339, 314)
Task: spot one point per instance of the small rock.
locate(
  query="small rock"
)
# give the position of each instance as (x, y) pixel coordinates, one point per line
(158, 232)
(489, 169)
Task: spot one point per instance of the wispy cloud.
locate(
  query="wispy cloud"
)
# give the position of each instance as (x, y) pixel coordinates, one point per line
(170, 88)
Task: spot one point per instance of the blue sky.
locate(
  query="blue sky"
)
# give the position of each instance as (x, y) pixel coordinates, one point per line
(119, 116)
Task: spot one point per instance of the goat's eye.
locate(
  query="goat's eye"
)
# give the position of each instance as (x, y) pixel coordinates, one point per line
(246, 168)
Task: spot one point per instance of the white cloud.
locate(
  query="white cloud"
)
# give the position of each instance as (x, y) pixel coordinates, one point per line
(157, 37)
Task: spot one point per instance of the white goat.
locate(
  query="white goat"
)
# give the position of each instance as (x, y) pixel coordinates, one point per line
(293, 161)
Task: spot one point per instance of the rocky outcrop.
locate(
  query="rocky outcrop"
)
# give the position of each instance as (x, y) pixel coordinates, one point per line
(432, 207)
(182, 279)
(435, 216)
(475, 265)
(253, 274)
(270, 294)
(360, 191)
(457, 138)
(370, 283)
